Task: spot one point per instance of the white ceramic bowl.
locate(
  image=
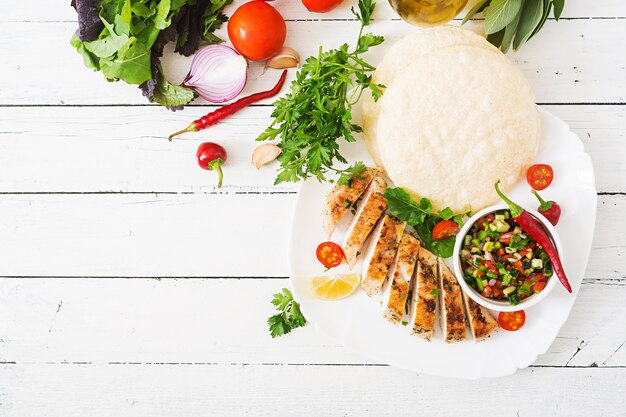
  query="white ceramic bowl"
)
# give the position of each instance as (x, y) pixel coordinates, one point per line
(503, 305)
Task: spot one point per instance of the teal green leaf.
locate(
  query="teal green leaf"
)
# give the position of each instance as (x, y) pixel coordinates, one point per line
(500, 13)
(478, 7)
(559, 5)
(509, 33)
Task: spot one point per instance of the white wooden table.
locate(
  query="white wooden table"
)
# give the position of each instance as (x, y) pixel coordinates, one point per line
(131, 287)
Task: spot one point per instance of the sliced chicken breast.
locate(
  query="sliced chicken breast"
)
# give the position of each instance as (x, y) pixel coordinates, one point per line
(380, 253)
(401, 275)
(451, 314)
(424, 302)
(342, 197)
(481, 322)
(371, 207)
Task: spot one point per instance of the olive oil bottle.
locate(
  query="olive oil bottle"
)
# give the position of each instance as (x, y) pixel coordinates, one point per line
(427, 12)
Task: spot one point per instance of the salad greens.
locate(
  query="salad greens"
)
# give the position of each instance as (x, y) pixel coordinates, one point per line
(289, 316)
(420, 216)
(514, 22)
(318, 110)
(125, 38)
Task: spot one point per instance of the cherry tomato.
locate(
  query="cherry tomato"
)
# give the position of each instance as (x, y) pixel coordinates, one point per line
(540, 176)
(445, 229)
(257, 30)
(321, 6)
(329, 254)
(211, 156)
(512, 321)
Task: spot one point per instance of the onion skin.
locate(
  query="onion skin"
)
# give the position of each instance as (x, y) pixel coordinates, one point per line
(218, 73)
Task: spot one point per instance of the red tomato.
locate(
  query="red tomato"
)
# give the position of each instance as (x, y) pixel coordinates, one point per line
(488, 290)
(490, 267)
(539, 286)
(321, 6)
(257, 30)
(512, 321)
(445, 229)
(540, 176)
(329, 254)
(506, 237)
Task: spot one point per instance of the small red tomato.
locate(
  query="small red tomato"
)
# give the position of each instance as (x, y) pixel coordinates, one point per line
(512, 321)
(211, 156)
(257, 30)
(329, 254)
(487, 291)
(539, 286)
(445, 229)
(540, 176)
(321, 6)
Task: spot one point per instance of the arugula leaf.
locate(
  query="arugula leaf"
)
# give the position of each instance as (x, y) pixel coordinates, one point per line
(168, 94)
(442, 248)
(289, 316)
(500, 13)
(405, 208)
(317, 111)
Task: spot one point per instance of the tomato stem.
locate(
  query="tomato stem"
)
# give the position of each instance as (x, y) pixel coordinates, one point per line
(216, 165)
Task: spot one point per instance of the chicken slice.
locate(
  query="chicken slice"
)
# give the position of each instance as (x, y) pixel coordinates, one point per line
(380, 253)
(371, 207)
(424, 302)
(401, 274)
(451, 315)
(342, 197)
(481, 322)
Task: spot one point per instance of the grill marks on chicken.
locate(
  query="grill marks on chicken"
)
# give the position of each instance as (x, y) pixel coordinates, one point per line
(380, 253)
(452, 316)
(401, 276)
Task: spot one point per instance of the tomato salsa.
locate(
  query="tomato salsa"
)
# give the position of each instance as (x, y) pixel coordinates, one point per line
(501, 262)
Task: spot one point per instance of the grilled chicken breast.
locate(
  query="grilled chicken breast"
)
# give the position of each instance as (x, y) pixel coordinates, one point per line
(380, 253)
(451, 315)
(400, 275)
(481, 322)
(342, 197)
(424, 302)
(371, 207)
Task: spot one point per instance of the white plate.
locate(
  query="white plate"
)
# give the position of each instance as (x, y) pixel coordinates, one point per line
(357, 322)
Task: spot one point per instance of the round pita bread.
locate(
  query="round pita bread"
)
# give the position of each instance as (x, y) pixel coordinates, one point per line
(408, 50)
(456, 121)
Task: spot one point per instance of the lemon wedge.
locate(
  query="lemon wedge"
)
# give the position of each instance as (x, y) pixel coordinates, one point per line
(335, 288)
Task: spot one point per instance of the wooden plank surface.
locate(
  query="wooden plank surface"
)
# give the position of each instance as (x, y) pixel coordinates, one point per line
(123, 149)
(557, 74)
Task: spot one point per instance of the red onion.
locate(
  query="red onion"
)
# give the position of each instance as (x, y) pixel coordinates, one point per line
(492, 282)
(218, 73)
(489, 257)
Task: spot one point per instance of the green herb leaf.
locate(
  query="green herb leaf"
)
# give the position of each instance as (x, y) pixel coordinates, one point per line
(405, 208)
(446, 214)
(559, 5)
(478, 7)
(531, 15)
(170, 95)
(289, 316)
(509, 33)
(317, 111)
(500, 13)
(351, 173)
(435, 292)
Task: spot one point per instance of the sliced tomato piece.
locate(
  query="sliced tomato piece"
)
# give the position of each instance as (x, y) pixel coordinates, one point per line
(540, 176)
(445, 229)
(539, 286)
(329, 254)
(512, 321)
(487, 291)
(490, 266)
(506, 237)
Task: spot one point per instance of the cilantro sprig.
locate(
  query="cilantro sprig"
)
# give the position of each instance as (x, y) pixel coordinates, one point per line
(420, 215)
(318, 109)
(289, 316)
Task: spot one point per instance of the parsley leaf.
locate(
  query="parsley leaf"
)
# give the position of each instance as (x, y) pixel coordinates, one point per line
(405, 208)
(518, 243)
(351, 173)
(435, 292)
(317, 111)
(289, 316)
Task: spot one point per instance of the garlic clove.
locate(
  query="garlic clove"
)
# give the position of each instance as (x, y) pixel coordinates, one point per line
(265, 154)
(286, 58)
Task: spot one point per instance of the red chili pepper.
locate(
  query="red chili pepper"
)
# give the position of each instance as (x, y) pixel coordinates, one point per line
(550, 209)
(225, 111)
(535, 230)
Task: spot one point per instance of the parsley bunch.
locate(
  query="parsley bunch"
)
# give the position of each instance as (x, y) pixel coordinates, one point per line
(318, 110)
(420, 216)
(289, 316)
(514, 22)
